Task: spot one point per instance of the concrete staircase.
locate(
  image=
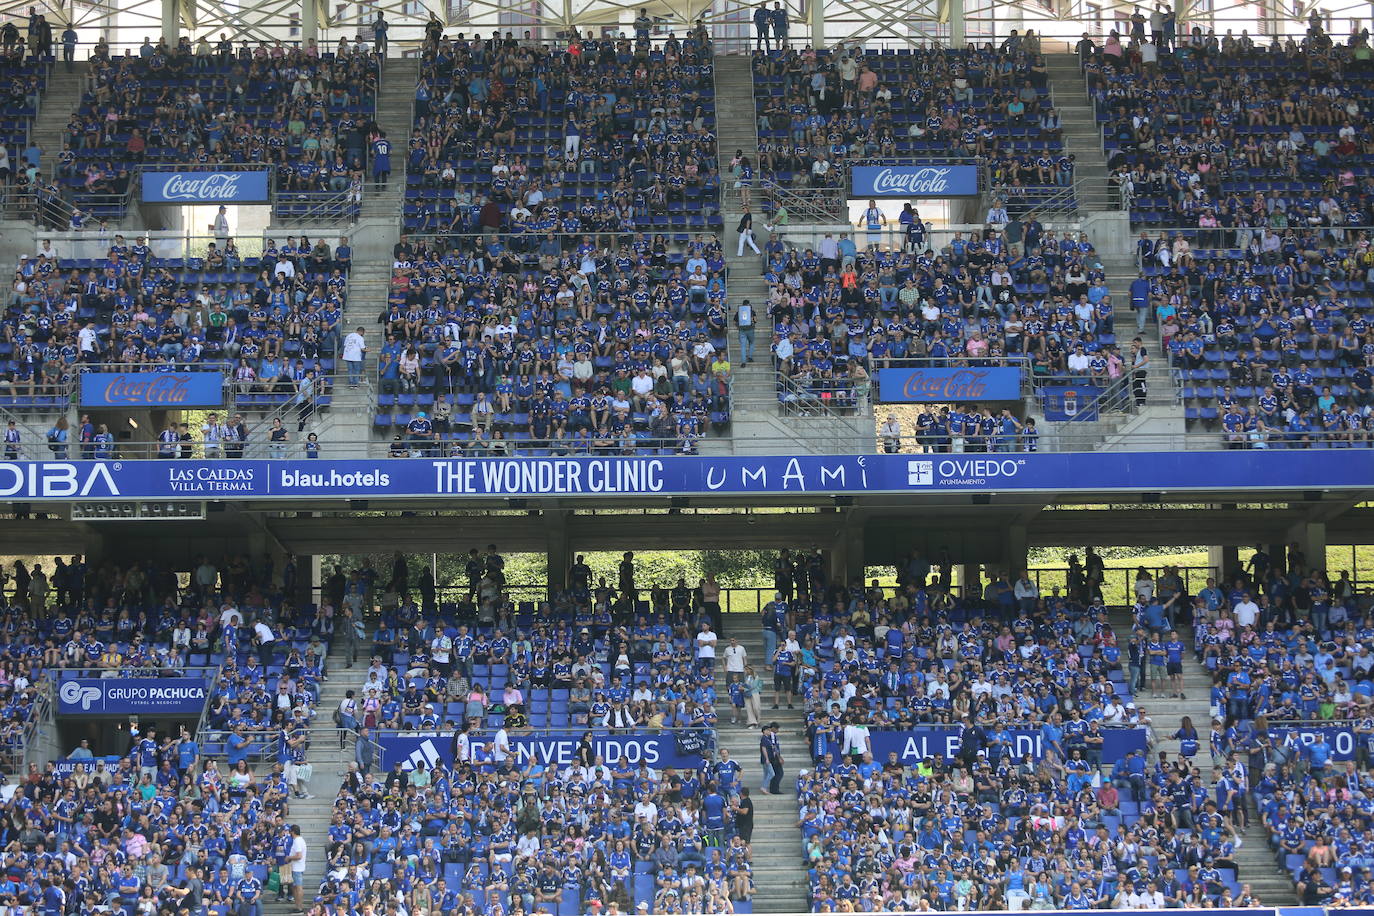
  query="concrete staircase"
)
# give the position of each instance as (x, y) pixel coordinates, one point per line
(1123, 421)
(330, 763)
(757, 426)
(1082, 136)
(753, 384)
(1255, 863)
(373, 239)
(60, 99)
(779, 872)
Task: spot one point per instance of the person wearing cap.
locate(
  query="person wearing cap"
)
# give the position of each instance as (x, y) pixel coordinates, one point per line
(419, 430)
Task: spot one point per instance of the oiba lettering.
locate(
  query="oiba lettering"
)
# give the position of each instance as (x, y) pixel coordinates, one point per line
(930, 181)
(214, 186)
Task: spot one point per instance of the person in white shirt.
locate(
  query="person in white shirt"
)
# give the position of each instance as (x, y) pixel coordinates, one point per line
(856, 741)
(642, 385)
(440, 649)
(267, 642)
(354, 352)
(1078, 361)
(736, 657)
(500, 746)
(1247, 612)
(891, 434)
(646, 809)
(706, 646)
(783, 352)
(296, 857)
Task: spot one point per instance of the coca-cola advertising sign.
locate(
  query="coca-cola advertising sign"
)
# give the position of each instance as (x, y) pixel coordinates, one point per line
(914, 181)
(943, 386)
(206, 187)
(157, 390)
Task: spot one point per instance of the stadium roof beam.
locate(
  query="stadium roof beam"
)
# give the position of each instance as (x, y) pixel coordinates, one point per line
(1328, 508)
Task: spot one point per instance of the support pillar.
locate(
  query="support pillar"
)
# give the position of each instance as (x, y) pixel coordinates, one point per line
(1015, 552)
(1309, 539)
(1278, 555)
(557, 548)
(817, 23)
(171, 22)
(310, 577)
(847, 549)
(1225, 560)
(970, 580)
(957, 36)
(310, 22)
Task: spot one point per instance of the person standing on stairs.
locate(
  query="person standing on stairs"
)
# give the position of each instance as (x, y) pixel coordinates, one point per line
(69, 46)
(745, 228)
(744, 815)
(770, 756)
(379, 30)
(381, 158)
(744, 319)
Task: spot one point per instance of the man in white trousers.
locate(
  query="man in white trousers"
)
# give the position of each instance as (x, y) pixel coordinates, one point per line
(746, 233)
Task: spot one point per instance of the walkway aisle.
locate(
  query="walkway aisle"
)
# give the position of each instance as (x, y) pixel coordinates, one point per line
(779, 874)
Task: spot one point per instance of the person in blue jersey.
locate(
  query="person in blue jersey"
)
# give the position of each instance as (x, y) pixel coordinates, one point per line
(1173, 663)
(381, 160)
(786, 661)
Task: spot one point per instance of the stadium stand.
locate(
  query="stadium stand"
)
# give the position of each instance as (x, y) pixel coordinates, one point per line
(573, 345)
(607, 136)
(302, 113)
(269, 323)
(839, 313)
(23, 79)
(560, 289)
(820, 111)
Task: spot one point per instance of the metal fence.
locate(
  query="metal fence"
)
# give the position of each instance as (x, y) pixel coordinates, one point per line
(809, 438)
(1118, 587)
(126, 671)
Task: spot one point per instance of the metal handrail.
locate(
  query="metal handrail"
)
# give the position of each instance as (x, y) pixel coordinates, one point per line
(1218, 237)
(330, 207)
(824, 204)
(831, 438)
(124, 671)
(39, 714)
(1060, 200)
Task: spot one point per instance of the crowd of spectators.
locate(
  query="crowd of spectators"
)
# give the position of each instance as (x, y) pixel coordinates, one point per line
(821, 110)
(991, 827)
(491, 833)
(1286, 646)
(840, 312)
(495, 827)
(569, 344)
(594, 135)
(165, 826)
(1236, 137)
(1251, 160)
(305, 113)
(592, 656)
(269, 324)
(960, 428)
(23, 76)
